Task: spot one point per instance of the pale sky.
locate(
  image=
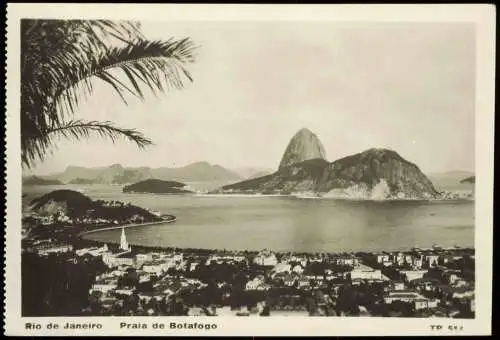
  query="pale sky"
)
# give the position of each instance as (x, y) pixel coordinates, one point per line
(404, 86)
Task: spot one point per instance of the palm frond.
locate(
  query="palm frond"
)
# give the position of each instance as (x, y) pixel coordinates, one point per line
(38, 146)
(80, 129)
(157, 65)
(47, 44)
(62, 59)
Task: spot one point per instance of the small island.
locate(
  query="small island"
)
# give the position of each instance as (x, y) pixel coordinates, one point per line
(35, 180)
(471, 180)
(157, 186)
(82, 181)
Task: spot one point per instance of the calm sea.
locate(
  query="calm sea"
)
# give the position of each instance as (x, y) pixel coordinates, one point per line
(287, 223)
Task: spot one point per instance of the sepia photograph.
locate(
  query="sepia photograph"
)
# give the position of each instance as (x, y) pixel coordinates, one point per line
(247, 168)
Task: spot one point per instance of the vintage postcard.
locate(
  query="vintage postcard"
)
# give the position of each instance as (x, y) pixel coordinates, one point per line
(249, 170)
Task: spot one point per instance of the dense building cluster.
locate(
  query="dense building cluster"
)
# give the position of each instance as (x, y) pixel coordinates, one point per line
(417, 283)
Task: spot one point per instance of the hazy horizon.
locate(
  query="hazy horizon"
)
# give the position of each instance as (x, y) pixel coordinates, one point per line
(31, 172)
(409, 87)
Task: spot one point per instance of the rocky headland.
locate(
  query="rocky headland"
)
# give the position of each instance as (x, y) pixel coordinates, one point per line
(375, 173)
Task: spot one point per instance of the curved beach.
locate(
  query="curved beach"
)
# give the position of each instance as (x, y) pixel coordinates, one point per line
(167, 219)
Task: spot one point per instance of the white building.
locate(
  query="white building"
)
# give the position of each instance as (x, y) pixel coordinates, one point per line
(282, 268)
(382, 257)
(426, 303)
(120, 259)
(399, 259)
(55, 249)
(405, 296)
(363, 272)
(153, 268)
(418, 263)
(304, 283)
(459, 282)
(123, 241)
(299, 269)
(99, 251)
(124, 258)
(144, 278)
(463, 293)
(452, 278)
(347, 261)
(413, 274)
(225, 259)
(289, 280)
(432, 260)
(104, 287)
(419, 301)
(266, 258)
(399, 285)
(125, 291)
(257, 284)
(142, 258)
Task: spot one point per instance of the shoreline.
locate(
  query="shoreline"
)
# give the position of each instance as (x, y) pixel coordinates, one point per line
(152, 248)
(304, 196)
(159, 248)
(134, 225)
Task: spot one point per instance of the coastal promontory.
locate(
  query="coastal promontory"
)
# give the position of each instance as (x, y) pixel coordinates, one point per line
(73, 207)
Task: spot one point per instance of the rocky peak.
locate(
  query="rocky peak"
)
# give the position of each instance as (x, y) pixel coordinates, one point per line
(375, 169)
(303, 146)
(381, 154)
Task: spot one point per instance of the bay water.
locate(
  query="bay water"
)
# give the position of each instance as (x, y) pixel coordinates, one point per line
(288, 223)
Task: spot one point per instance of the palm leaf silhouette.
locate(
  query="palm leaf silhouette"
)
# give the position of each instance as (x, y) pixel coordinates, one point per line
(61, 61)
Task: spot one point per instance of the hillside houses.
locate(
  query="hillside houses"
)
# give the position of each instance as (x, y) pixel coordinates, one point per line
(175, 282)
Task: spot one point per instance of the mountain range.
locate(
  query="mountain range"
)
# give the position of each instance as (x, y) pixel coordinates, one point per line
(118, 174)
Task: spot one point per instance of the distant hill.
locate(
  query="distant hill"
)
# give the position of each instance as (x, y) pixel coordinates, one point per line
(157, 186)
(450, 180)
(471, 180)
(118, 174)
(196, 172)
(371, 174)
(35, 180)
(260, 174)
(250, 172)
